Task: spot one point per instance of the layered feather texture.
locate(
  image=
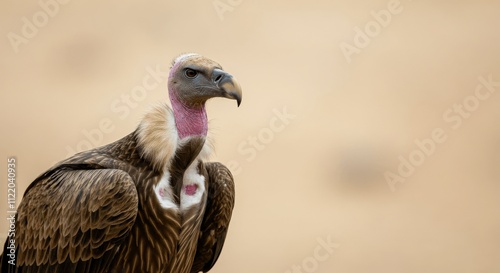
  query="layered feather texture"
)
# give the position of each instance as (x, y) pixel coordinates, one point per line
(99, 211)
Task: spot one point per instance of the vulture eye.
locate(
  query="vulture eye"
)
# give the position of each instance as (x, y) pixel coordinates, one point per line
(190, 73)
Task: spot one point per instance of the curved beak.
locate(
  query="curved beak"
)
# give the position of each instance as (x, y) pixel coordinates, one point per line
(227, 84)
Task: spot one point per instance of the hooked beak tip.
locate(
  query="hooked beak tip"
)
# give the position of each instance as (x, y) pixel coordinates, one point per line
(232, 90)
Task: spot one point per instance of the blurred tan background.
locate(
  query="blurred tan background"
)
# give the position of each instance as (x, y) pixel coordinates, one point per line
(319, 174)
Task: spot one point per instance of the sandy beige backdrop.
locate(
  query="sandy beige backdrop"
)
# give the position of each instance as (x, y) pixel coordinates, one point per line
(336, 98)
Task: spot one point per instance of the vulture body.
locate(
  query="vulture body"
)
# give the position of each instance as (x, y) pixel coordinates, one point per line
(148, 202)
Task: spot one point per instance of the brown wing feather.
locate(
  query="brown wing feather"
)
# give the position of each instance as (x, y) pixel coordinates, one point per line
(74, 220)
(220, 203)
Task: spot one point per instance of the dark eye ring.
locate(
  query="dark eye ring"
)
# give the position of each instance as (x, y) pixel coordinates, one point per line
(191, 73)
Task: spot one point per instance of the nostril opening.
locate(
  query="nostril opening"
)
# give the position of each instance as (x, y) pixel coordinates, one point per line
(217, 79)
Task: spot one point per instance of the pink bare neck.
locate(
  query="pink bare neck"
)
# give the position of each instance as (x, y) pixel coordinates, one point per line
(189, 120)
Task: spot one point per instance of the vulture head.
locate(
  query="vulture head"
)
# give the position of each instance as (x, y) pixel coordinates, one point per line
(194, 79)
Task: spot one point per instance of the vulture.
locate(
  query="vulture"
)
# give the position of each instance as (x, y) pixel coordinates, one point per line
(149, 202)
